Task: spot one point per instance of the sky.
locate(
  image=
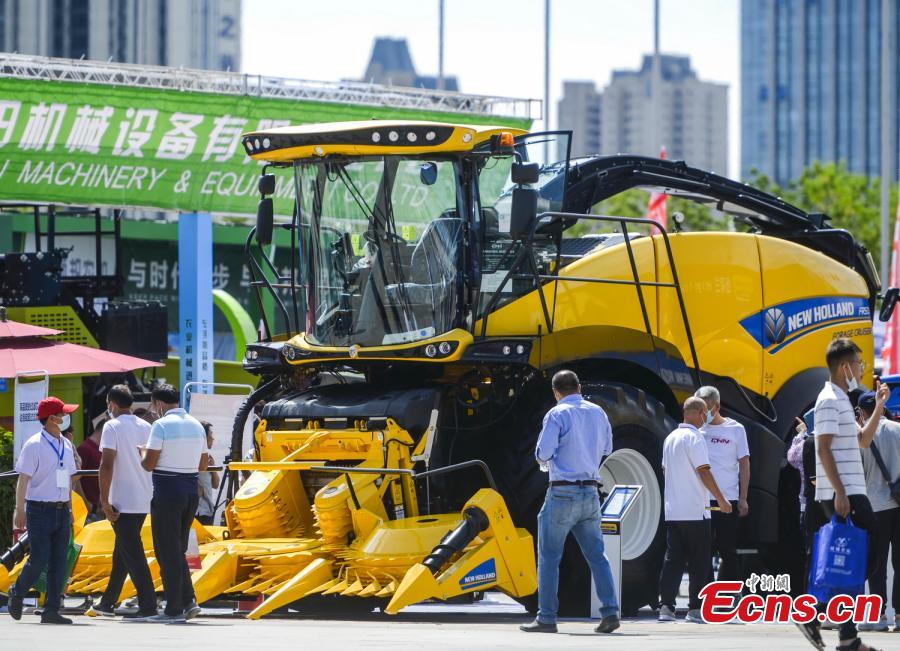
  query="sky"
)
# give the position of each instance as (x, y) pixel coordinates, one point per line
(495, 47)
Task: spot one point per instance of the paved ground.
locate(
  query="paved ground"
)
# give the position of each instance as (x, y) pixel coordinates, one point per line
(419, 631)
(491, 625)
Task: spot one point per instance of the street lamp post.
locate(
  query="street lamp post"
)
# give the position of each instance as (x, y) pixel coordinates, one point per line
(546, 79)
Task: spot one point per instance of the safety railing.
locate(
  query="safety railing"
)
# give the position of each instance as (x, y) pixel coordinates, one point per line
(525, 257)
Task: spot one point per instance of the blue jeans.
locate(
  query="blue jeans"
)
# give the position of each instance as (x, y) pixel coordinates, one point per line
(49, 529)
(575, 509)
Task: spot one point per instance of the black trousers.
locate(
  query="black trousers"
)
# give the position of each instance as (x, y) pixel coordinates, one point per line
(129, 560)
(172, 512)
(724, 534)
(863, 517)
(888, 544)
(687, 543)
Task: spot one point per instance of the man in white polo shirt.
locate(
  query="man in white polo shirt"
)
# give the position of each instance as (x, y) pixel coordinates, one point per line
(840, 479)
(175, 453)
(687, 487)
(125, 492)
(45, 465)
(729, 460)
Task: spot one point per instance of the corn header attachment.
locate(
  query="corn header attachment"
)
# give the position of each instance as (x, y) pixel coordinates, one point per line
(335, 513)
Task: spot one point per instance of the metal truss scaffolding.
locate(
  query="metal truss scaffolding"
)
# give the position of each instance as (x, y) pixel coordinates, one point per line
(233, 83)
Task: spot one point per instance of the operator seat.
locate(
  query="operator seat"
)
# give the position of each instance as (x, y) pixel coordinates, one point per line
(433, 260)
(432, 273)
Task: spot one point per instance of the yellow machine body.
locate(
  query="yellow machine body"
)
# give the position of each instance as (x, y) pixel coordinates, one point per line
(732, 278)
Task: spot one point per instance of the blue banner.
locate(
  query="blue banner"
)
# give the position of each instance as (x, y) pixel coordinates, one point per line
(195, 303)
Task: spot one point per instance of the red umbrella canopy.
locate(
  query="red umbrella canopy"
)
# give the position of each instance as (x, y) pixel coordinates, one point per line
(15, 329)
(63, 358)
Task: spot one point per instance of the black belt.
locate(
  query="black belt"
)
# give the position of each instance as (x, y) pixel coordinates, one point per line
(175, 475)
(580, 482)
(46, 505)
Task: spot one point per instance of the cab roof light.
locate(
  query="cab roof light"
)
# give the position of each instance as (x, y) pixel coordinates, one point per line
(504, 143)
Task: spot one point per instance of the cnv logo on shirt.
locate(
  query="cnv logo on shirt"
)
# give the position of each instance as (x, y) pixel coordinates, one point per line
(776, 326)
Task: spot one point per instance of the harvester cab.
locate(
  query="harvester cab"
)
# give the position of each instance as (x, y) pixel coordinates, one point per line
(389, 227)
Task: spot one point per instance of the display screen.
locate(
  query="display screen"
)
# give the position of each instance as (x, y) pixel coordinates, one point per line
(618, 501)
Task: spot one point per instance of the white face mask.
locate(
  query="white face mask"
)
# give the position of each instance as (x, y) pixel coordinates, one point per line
(852, 384)
(66, 422)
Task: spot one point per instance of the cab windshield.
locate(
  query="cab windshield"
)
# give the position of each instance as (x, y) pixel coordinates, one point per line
(380, 240)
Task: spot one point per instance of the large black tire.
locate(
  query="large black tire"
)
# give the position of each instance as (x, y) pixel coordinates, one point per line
(639, 422)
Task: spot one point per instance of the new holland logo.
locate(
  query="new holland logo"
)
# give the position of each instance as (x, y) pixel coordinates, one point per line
(776, 325)
(479, 576)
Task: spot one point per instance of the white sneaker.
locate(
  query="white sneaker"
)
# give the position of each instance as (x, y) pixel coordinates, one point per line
(881, 625)
(694, 617)
(666, 614)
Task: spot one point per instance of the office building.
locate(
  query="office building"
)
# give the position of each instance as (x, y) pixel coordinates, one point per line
(811, 86)
(579, 110)
(392, 65)
(203, 34)
(692, 119)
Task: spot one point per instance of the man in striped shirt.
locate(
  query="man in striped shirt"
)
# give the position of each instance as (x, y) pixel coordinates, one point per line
(840, 481)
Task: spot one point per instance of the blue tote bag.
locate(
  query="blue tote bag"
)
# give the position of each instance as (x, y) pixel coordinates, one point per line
(838, 560)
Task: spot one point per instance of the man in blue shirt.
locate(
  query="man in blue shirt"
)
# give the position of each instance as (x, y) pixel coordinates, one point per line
(575, 438)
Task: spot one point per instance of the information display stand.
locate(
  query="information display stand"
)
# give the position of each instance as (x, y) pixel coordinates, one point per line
(613, 517)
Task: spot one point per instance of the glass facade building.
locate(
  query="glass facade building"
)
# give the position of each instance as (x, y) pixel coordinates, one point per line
(811, 85)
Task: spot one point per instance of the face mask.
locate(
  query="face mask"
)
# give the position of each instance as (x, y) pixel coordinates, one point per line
(852, 384)
(66, 422)
(709, 417)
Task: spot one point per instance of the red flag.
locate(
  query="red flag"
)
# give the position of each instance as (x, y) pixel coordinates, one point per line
(889, 347)
(656, 209)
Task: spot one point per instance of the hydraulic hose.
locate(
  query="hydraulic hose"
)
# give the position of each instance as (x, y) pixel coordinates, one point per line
(16, 553)
(474, 522)
(262, 392)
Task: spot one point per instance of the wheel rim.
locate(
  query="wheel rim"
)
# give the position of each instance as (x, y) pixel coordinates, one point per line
(627, 466)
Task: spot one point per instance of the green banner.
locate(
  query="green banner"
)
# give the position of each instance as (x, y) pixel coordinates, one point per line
(94, 144)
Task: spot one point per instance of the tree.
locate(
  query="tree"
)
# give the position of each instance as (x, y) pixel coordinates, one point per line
(633, 203)
(7, 489)
(851, 201)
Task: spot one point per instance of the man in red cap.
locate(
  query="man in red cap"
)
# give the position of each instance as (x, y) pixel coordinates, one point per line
(43, 507)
